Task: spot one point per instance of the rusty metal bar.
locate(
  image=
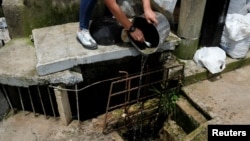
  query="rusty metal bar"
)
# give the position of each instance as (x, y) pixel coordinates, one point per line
(41, 101)
(127, 93)
(51, 103)
(136, 76)
(135, 88)
(21, 99)
(128, 89)
(7, 97)
(131, 102)
(31, 101)
(77, 104)
(108, 103)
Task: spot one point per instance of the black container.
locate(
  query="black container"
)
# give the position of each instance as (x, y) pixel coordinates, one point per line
(155, 34)
(213, 22)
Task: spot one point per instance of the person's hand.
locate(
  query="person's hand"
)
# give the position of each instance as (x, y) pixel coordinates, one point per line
(151, 17)
(137, 35)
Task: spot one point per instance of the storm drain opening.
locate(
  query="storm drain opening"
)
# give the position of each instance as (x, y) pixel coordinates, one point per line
(139, 116)
(39, 100)
(129, 103)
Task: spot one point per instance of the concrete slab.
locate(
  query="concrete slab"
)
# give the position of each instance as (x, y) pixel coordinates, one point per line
(194, 73)
(226, 100)
(18, 67)
(57, 49)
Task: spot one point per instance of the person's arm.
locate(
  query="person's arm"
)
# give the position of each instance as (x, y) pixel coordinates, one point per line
(125, 22)
(118, 13)
(123, 19)
(148, 12)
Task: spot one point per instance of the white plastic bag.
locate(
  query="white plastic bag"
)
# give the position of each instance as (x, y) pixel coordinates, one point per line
(236, 6)
(237, 26)
(212, 58)
(235, 38)
(4, 32)
(235, 49)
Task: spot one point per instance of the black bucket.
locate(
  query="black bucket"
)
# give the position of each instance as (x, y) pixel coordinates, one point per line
(155, 34)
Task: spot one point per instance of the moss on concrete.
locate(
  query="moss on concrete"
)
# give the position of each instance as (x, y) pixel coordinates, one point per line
(37, 14)
(206, 75)
(25, 15)
(237, 64)
(186, 49)
(199, 134)
(195, 78)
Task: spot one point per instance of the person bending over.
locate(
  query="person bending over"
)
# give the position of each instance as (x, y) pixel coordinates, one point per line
(86, 9)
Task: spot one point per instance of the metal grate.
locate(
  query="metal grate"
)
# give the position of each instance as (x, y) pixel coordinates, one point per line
(133, 95)
(124, 91)
(36, 99)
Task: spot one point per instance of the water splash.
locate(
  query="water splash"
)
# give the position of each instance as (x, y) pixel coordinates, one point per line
(139, 126)
(144, 59)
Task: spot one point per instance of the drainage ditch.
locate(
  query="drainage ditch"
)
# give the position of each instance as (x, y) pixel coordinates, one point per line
(134, 111)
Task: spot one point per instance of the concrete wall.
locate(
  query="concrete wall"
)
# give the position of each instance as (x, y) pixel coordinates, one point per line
(24, 15)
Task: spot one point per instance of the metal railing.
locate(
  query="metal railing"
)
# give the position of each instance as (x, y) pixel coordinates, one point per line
(17, 95)
(138, 96)
(130, 89)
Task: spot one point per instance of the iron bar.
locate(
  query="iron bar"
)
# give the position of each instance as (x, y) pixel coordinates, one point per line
(127, 90)
(106, 80)
(127, 86)
(77, 104)
(7, 97)
(51, 103)
(31, 101)
(135, 88)
(131, 102)
(137, 76)
(108, 103)
(21, 99)
(141, 98)
(41, 101)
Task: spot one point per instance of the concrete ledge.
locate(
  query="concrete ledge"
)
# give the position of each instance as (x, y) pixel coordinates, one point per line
(18, 67)
(194, 73)
(57, 49)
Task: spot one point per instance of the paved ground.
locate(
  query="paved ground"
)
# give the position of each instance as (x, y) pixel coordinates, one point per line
(226, 100)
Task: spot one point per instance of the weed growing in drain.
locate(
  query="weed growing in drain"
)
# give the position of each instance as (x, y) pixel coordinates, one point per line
(168, 98)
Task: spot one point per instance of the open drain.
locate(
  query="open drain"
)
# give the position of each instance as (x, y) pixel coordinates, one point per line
(139, 116)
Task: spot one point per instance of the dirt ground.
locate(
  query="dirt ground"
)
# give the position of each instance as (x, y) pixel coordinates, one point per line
(26, 127)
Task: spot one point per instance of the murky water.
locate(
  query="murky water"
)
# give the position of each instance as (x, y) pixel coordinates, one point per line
(139, 131)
